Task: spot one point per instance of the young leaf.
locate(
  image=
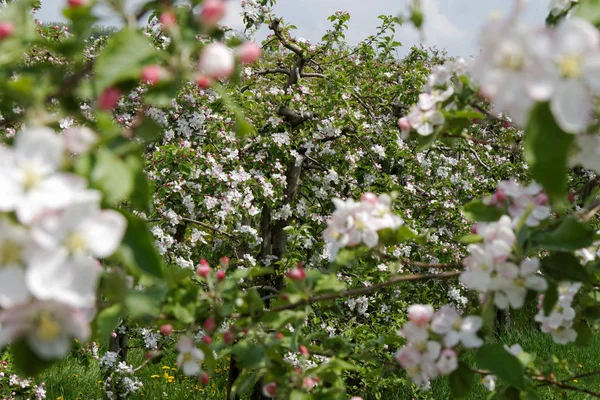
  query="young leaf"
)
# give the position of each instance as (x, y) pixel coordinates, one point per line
(564, 267)
(546, 150)
(137, 249)
(476, 210)
(503, 364)
(461, 381)
(571, 234)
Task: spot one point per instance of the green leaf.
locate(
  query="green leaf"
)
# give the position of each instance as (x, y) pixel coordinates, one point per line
(137, 249)
(298, 395)
(123, 58)
(461, 381)
(504, 365)
(112, 176)
(148, 130)
(141, 305)
(329, 283)
(476, 210)
(107, 321)
(248, 355)
(584, 334)
(245, 381)
(546, 151)
(471, 238)
(589, 10)
(564, 267)
(141, 195)
(571, 234)
(550, 298)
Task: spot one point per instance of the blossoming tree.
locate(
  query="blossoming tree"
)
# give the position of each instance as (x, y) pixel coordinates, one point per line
(165, 182)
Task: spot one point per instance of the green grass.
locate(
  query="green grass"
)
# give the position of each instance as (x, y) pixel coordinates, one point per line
(71, 380)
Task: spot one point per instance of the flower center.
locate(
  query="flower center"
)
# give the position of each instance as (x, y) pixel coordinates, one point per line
(76, 243)
(513, 59)
(570, 67)
(457, 324)
(47, 328)
(31, 177)
(10, 252)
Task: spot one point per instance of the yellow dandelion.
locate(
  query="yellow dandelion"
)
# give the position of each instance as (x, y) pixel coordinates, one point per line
(580, 366)
(60, 398)
(100, 382)
(173, 369)
(155, 376)
(217, 371)
(75, 375)
(165, 367)
(166, 375)
(575, 380)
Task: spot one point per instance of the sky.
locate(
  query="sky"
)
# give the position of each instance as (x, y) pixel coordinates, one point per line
(449, 24)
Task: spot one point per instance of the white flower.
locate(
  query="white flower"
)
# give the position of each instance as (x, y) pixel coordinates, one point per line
(571, 84)
(448, 362)
(478, 268)
(515, 349)
(27, 175)
(512, 282)
(489, 382)
(189, 357)
(48, 327)
(588, 154)
(446, 321)
(217, 60)
(499, 237)
(424, 121)
(16, 249)
(414, 333)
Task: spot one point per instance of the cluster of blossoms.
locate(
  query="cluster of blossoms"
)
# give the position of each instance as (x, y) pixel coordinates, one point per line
(354, 223)
(440, 86)
(559, 323)
(433, 338)
(519, 66)
(52, 231)
(528, 202)
(489, 271)
(122, 381)
(13, 387)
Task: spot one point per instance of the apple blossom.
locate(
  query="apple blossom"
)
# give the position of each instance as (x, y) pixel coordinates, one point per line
(420, 314)
(447, 322)
(79, 139)
(511, 283)
(189, 357)
(216, 61)
(270, 389)
(151, 74)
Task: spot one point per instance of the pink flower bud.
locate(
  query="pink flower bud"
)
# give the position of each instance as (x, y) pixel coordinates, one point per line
(114, 335)
(297, 273)
(166, 329)
(541, 199)
(369, 198)
(203, 268)
(249, 52)
(213, 11)
(224, 262)
(216, 61)
(207, 339)
(500, 195)
(209, 325)
(474, 229)
(571, 197)
(75, 3)
(168, 19)
(403, 124)
(420, 314)
(109, 99)
(151, 74)
(279, 336)
(270, 389)
(308, 383)
(303, 351)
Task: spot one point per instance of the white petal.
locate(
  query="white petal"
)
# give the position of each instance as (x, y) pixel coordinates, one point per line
(13, 290)
(40, 145)
(53, 350)
(591, 71)
(576, 36)
(104, 232)
(571, 106)
(191, 368)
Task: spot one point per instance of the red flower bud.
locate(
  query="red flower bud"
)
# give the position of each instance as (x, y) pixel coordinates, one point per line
(224, 262)
(166, 329)
(228, 337)
(210, 324)
(297, 273)
(279, 336)
(203, 81)
(213, 11)
(203, 268)
(207, 339)
(109, 99)
(204, 378)
(6, 29)
(220, 275)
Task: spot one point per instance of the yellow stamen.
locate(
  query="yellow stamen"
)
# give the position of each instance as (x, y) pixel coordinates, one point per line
(47, 328)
